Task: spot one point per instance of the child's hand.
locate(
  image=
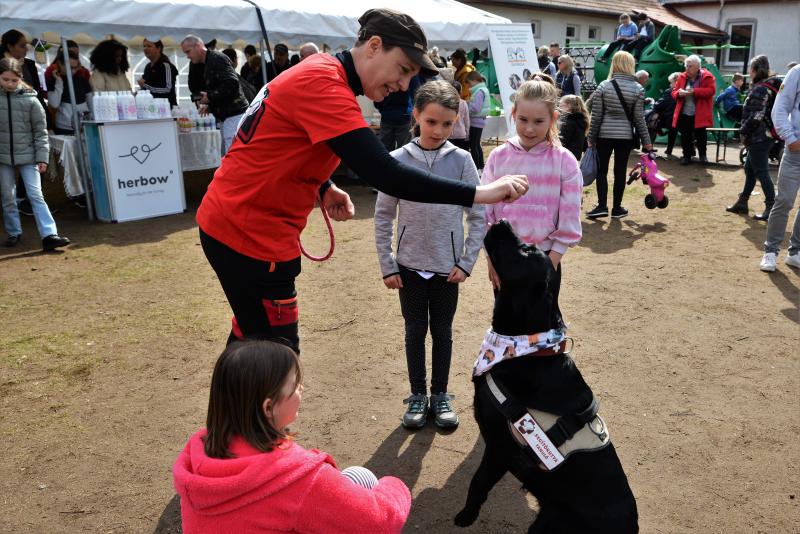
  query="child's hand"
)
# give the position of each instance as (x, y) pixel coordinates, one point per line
(393, 282)
(42, 167)
(555, 257)
(456, 276)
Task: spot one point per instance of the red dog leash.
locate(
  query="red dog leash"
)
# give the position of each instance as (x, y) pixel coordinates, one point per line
(330, 235)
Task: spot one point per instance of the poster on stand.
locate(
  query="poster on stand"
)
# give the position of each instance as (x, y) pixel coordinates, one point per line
(143, 169)
(514, 55)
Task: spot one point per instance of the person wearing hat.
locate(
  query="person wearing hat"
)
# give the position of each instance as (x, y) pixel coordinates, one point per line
(291, 139)
(280, 61)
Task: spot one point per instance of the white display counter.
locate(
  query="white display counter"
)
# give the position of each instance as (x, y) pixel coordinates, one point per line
(135, 168)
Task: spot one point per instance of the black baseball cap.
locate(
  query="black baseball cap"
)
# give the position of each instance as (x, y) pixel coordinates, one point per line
(398, 29)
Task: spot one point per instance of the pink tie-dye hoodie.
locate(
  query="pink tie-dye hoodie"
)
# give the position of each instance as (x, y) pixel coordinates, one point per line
(548, 216)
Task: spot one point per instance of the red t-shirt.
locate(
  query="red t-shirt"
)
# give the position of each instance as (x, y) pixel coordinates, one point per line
(262, 193)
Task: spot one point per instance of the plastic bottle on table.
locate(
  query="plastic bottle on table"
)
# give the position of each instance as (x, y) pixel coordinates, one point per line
(130, 106)
(141, 105)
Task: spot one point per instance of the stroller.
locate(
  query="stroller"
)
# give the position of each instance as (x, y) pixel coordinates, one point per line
(647, 171)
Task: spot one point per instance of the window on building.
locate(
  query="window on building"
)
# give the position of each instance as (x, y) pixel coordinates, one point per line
(535, 26)
(594, 33)
(742, 34)
(573, 31)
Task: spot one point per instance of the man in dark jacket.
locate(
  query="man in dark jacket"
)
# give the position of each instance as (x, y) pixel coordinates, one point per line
(280, 61)
(223, 95)
(395, 112)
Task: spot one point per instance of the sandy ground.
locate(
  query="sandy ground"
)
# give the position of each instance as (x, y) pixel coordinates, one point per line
(108, 347)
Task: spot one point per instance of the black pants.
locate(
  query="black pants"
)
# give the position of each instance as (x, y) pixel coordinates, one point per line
(637, 47)
(422, 302)
(691, 136)
(621, 149)
(475, 146)
(261, 293)
(461, 143)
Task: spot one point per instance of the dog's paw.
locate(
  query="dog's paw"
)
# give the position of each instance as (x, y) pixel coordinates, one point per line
(466, 517)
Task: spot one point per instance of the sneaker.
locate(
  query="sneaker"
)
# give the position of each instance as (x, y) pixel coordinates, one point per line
(54, 241)
(703, 160)
(769, 262)
(598, 211)
(443, 410)
(417, 413)
(12, 241)
(24, 207)
(619, 212)
(686, 161)
(793, 260)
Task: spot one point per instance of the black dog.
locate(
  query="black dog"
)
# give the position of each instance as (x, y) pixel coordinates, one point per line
(588, 492)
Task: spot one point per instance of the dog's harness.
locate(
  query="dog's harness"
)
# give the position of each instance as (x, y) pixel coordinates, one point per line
(497, 347)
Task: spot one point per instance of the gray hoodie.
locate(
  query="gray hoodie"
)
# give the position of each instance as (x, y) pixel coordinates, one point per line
(430, 236)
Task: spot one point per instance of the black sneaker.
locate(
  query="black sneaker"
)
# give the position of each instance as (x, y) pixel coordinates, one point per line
(686, 161)
(618, 213)
(417, 413)
(54, 241)
(597, 211)
(24, 207)
(12, 241)
(703, 160)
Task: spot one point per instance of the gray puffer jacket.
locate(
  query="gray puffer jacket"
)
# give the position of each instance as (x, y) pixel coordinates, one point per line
(23, 129)
(430, 237)
(609, 120)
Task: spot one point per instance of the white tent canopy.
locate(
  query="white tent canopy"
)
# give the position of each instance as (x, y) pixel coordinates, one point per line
(447, 23)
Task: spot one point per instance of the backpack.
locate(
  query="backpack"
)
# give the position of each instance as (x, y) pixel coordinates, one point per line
(772, 92)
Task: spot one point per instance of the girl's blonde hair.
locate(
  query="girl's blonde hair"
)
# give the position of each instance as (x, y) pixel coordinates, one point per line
(622, 63)
(577, 105)
(543, 92)
(568, 61)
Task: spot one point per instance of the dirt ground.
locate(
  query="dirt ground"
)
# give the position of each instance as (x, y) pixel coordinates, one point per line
(106, 352)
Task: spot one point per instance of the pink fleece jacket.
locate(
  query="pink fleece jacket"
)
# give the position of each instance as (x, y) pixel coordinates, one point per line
(289, 489)
(548, 216)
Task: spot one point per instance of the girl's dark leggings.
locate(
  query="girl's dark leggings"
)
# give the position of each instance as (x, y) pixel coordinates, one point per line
(475, 146)
(261, 293)
(426, 302)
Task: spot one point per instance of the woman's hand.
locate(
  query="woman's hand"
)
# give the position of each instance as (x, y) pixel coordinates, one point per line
(507, 189)
(338, 204)
(42, 167)
(141, 82)
(456, 275)
(393, 282)
(493, 278)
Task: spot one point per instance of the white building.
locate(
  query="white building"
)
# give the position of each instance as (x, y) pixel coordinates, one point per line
(769, 27)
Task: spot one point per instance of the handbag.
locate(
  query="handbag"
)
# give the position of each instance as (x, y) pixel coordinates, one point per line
(589, 166)
(636, 141)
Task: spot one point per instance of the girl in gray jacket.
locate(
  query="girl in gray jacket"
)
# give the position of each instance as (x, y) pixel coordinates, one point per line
(24, 146)
(431, 256)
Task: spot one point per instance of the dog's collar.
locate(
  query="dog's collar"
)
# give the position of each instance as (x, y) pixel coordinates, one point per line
(497, 347)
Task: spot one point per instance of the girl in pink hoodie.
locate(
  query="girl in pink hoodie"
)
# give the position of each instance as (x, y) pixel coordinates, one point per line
(245, 473)
(548, 215)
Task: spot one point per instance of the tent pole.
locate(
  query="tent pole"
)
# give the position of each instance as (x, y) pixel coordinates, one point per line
(76, 125)
(263, 61)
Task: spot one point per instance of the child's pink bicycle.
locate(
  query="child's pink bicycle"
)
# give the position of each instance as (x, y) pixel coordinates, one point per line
(647, 171)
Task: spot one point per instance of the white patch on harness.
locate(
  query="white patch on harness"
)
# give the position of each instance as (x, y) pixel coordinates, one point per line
(535, 436)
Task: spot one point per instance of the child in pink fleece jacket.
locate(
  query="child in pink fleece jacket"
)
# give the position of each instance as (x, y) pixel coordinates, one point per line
(548, 215)
(246, 474)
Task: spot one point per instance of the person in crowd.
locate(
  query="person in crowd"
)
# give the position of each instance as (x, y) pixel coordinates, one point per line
(758, 135)
(395, 112)
(245, 471)
(438, 60)
(548, 215)
(280, 61)
(23, 147)
(545, 65)
(625, 34)
(254, 76)
(230, 53)
(249, 51)
(72, 46)
(644, 37)
(433, 259)
(611, 131)
(642, 76)
(462, 70)
(786, 119)
(660, 117)
(250, 234)
(573, 124)
(567, 79)
(460, 135)
(223, 96)
(542, 77)
(479, 106)
(555, 52)
(694, 92)
(110, 66)
(160, 76)
(294, 59)
(58, 96)
(790, 65)
(307, 50)
(196, 78)
(248, 90)
(728, 100)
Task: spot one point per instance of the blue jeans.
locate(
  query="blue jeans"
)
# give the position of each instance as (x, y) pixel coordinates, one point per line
(33, 185)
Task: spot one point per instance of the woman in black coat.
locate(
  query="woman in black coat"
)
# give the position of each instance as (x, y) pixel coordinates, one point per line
(160, 75)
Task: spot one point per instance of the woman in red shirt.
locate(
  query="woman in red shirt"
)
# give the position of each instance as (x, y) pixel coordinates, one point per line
(289, 142)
